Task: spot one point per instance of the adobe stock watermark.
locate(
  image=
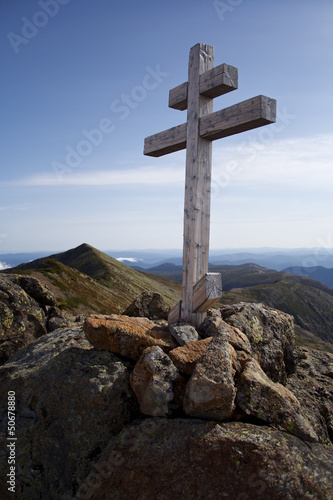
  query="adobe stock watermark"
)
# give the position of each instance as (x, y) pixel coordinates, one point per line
(250, 148)
(121, 107)
(320, 253)
(224, 7)
(31, 27)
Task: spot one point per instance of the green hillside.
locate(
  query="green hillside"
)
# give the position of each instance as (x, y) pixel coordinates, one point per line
(309, 301)
(311, 307)
(84, 279)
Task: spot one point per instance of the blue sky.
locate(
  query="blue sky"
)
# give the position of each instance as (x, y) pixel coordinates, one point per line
(84, 82)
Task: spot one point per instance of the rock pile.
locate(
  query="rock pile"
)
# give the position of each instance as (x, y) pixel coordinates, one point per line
(251, 415)
(221, 374)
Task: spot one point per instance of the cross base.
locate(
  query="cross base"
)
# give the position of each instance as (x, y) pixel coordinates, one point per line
(206, 292)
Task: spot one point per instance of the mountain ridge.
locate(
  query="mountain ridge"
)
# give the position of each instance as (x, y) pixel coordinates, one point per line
(318, 273)
(308, 300)
(111, 286)
(87, 280)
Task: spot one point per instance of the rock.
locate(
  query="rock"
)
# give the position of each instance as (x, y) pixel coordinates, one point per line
(191, 459)
(151, 381)
(183, 333)
(22, 317)
(55, 322)
(148, 305)
(35, 289)
(271, 334)
(126, 336)
(312, 383)
(210, 392)
(214, 313)
(185, 357)
(179, 389)
(70, 400)
(257, 395)
(214, 325)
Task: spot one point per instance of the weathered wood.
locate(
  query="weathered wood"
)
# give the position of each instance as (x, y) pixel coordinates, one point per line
(197, 182)
(219, 81)
(178, 97)
(175, 313)
(168, 141)
(246, 115)
(203, 126)
(212, 83)
(207, 291)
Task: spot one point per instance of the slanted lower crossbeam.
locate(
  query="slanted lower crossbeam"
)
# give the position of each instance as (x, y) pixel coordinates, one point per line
(206, 292)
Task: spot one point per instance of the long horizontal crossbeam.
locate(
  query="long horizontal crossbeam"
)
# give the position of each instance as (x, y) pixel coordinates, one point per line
(246, 115)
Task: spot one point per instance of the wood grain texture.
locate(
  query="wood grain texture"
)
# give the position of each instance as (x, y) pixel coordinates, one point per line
(246, 115)
(197, 183)
(168, 141)
(207, 291)
(175, 313)
(213, 83)
(196, 135)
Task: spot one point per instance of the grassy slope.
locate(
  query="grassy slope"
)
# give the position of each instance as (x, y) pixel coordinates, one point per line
(85, 279)
(311, 308)
(309, 301)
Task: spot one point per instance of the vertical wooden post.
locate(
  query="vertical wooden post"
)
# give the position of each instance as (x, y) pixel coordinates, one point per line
(200, 288)
(198, 182)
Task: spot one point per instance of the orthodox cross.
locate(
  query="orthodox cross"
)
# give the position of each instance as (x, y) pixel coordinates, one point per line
(201, 289)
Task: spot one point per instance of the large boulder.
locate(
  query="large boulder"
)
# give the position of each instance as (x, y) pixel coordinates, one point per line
(70, 399)
(214, 325)
(186, 356)
(152, 379)
(271, 334)
(166, 459)
(126, 336)
(23, 312)
(258, 396)
(312, 383)
(210, 392)
(184, 333)
(149, 305)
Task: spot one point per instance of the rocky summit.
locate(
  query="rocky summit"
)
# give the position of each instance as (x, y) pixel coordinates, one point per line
(125, 407)
(27, 311)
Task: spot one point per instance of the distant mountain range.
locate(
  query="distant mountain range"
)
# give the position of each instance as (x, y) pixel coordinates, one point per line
(318, 273)
(86, 280)
(271, 258)
(308, 300)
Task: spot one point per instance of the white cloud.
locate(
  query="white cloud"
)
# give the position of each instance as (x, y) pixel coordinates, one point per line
(3, 266)
(301, 163)
(129, 259)
(150, 176)
(297, 164)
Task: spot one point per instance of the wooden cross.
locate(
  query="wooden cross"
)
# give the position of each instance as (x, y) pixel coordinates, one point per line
(201, 289)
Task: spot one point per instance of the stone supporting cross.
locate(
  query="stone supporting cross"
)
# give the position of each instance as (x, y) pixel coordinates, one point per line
(201, 289)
